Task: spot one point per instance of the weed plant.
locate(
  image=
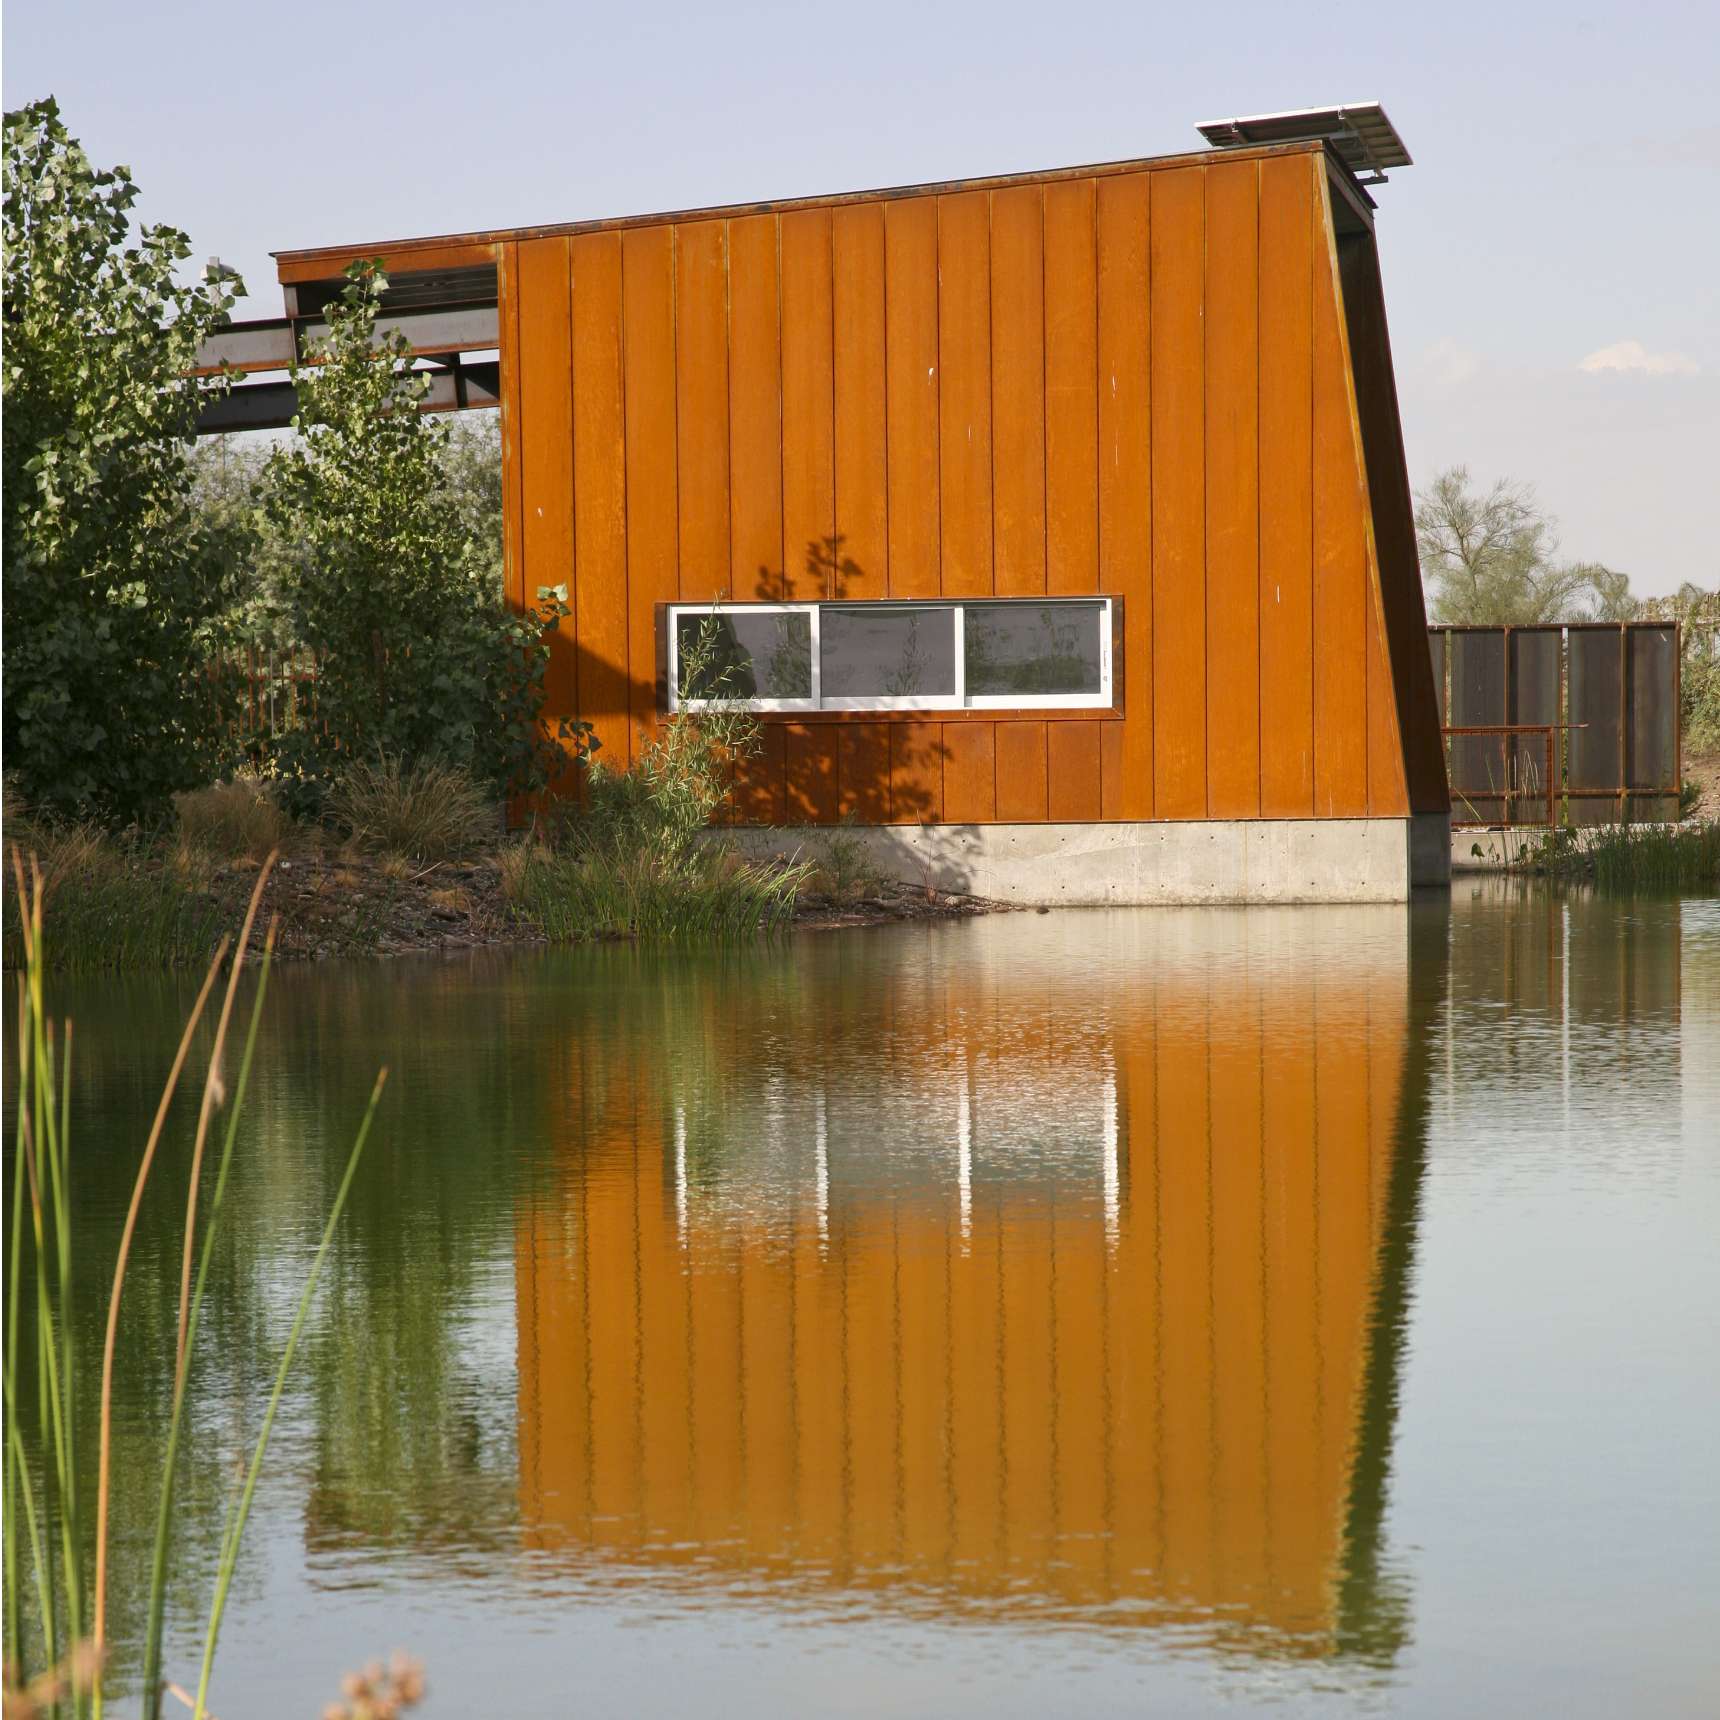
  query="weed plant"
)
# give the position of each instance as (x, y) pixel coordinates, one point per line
(56, 1563)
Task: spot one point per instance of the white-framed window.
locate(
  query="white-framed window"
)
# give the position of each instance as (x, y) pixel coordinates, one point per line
(994, 653)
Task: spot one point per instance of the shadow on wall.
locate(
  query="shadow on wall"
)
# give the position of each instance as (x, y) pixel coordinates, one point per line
(820, 772)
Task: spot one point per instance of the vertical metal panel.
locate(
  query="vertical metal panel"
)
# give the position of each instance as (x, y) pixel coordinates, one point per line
(1022, 773)
(970, 772)
(1436, 639)
(1071, 390)
(863, 772)
(653, 539)
(810, 767)
(545, 396)
(916, 773)
(1651, 760)
(1125, 479)
(862, 508)
(1232, 319)
(808, 404)
(1478, 762)
(702, 407)
(911, 414)
(755, 410)
(1179, 496)
(964, 402)
(1018, 389)
(1534, 659)
(1074, 768)
(1286, 489)
(600, 484)
(1597, 710)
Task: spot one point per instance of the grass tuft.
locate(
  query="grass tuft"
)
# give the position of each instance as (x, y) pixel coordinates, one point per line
(710, 894)
(237, 820)
(429, 810)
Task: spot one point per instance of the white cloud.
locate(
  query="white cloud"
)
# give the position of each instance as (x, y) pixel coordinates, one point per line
(1447, 364)
(1632, 355)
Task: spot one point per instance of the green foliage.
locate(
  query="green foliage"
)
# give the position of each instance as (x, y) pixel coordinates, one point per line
(641, 859)
(418, 654)
(1635, 856)
(1698, 613)
(1493, 558)
(110, 574)
(679, 784)
(581, 895)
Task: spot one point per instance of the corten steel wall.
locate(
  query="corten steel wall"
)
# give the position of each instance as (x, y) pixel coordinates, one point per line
(1169, 381)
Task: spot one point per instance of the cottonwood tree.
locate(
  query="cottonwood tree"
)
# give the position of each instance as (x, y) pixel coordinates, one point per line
(1492, 556)
(110, 574)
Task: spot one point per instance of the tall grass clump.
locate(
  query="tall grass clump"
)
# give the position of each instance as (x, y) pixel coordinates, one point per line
(108, 904)
(235, 820)
(645, 856)
(56, 1563)
(1634, 856)
(427, 809)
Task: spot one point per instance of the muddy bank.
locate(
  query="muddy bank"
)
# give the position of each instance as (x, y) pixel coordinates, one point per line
(330, 909)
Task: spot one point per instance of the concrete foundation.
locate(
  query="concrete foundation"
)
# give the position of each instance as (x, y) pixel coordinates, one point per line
(1113, 865)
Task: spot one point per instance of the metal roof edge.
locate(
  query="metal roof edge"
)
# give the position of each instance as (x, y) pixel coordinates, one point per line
(483, 237)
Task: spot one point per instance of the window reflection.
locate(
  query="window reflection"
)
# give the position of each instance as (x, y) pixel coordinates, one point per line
(1031, 649)
(879, 653)
(1061, 1305)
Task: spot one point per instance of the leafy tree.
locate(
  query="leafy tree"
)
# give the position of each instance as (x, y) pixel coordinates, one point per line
(1493, 557)
(419, 654)
(110, 574)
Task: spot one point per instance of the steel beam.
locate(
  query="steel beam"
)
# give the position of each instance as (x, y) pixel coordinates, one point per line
(273, 405)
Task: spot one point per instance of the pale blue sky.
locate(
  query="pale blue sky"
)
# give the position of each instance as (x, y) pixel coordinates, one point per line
(1565, 201)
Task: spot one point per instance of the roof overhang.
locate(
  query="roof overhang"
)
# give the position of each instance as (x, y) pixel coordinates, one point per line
(1365, 139)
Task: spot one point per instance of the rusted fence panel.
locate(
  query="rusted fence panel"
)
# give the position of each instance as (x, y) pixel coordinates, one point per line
(265, 692)
(1575, 723)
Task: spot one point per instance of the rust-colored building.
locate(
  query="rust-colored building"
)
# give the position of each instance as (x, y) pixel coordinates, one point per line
(1058, 524)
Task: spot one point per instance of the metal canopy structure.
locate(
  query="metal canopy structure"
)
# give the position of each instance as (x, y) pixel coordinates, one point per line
(1365, 139)
(448, 315)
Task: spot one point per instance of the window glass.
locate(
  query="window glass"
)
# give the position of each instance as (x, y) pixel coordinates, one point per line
(1026, 649)
(881, 653)
(737, 655)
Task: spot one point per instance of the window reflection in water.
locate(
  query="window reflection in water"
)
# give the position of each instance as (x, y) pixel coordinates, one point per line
(1063, 1303)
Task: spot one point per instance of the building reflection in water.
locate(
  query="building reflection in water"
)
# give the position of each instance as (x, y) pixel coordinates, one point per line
(994, 1286)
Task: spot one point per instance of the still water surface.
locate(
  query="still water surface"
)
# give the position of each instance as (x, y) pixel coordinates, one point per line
(1316, 1309)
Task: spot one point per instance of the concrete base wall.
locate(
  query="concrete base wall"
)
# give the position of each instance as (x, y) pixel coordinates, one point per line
(1110, 865)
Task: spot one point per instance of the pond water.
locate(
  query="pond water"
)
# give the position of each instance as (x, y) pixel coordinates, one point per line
(1316, 1309)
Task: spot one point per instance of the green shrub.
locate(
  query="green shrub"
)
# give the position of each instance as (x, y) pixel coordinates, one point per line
(419, 654)
(429, 809)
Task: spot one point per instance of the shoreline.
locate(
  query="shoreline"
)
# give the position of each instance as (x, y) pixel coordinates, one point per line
(344, 909)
